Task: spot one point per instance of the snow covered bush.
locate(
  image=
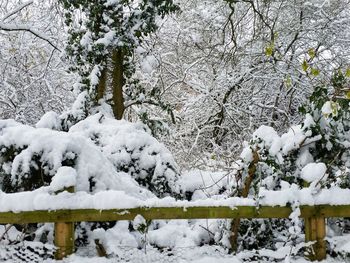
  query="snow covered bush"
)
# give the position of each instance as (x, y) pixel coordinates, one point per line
(101, 153)
(314, 154)
(132, 150)
(99, 148)
(30, 157)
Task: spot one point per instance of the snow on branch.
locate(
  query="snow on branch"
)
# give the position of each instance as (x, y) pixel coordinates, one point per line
(17, 10)
(15, 27)
(20, 27)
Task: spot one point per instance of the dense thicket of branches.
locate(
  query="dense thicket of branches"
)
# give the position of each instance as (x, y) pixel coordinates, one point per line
(222, 68)
(202, 79)
(230, 66)
(33, 78)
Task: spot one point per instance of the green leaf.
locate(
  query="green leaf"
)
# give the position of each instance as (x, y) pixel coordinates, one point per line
(335, 107)
(305, 65)
(269, 49)
(347, 95)
(302, 109)
(347, 73)
(315, 72)
(312, 53)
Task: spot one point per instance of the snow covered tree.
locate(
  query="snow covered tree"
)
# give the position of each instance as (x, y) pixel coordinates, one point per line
(103, 36)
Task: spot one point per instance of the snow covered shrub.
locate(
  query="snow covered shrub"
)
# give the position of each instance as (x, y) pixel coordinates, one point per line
(314, 154)
(78, 112)
(132, 150)
(328, 118)
(106, 154)
(101, 149)
(31, 156)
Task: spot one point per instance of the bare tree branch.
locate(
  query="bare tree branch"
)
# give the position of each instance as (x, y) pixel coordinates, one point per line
(17, 9)
(20, 27)
(15, 27)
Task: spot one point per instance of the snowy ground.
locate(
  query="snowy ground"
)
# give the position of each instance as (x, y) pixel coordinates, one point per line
(204, 254)
(204, 259)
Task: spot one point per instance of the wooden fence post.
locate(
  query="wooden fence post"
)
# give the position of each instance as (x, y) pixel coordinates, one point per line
(315, 230)
(64, 236)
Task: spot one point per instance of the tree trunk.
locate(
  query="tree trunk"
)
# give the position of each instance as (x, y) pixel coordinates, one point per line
(118, 83)
(102, 85)
(243, 193)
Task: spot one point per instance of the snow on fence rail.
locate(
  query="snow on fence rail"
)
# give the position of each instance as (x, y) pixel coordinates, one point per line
(65, 208)
(167, 213)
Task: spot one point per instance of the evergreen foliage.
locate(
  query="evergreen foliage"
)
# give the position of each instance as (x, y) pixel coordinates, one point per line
(103, 36)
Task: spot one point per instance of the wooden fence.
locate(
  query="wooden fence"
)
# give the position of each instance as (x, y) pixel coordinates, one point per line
(314, 216)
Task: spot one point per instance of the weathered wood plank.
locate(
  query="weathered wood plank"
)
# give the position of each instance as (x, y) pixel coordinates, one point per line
(64, 236)
(80, 215)
(64, 240)
(315, 230)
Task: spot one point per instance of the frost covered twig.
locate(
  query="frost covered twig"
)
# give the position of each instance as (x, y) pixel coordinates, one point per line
(207, 229)
(328, 168)
(17, 10)
(7, 228)
(215, 182)
(20, 27)
(16, 27)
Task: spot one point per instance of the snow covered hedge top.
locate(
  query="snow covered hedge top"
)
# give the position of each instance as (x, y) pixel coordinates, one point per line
(132, 150)
(103, 151)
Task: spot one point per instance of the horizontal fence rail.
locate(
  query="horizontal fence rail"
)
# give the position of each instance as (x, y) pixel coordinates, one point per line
(208, 212)
(314, 218)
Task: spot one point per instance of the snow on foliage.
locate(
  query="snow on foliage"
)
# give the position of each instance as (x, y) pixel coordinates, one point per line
(103, 36)
(101, 150)
(117, 161)
(132, 150)
(64, 178)
(314, 172)
(30, 157)
(198, 185)
(301, 165)
(100, 153)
